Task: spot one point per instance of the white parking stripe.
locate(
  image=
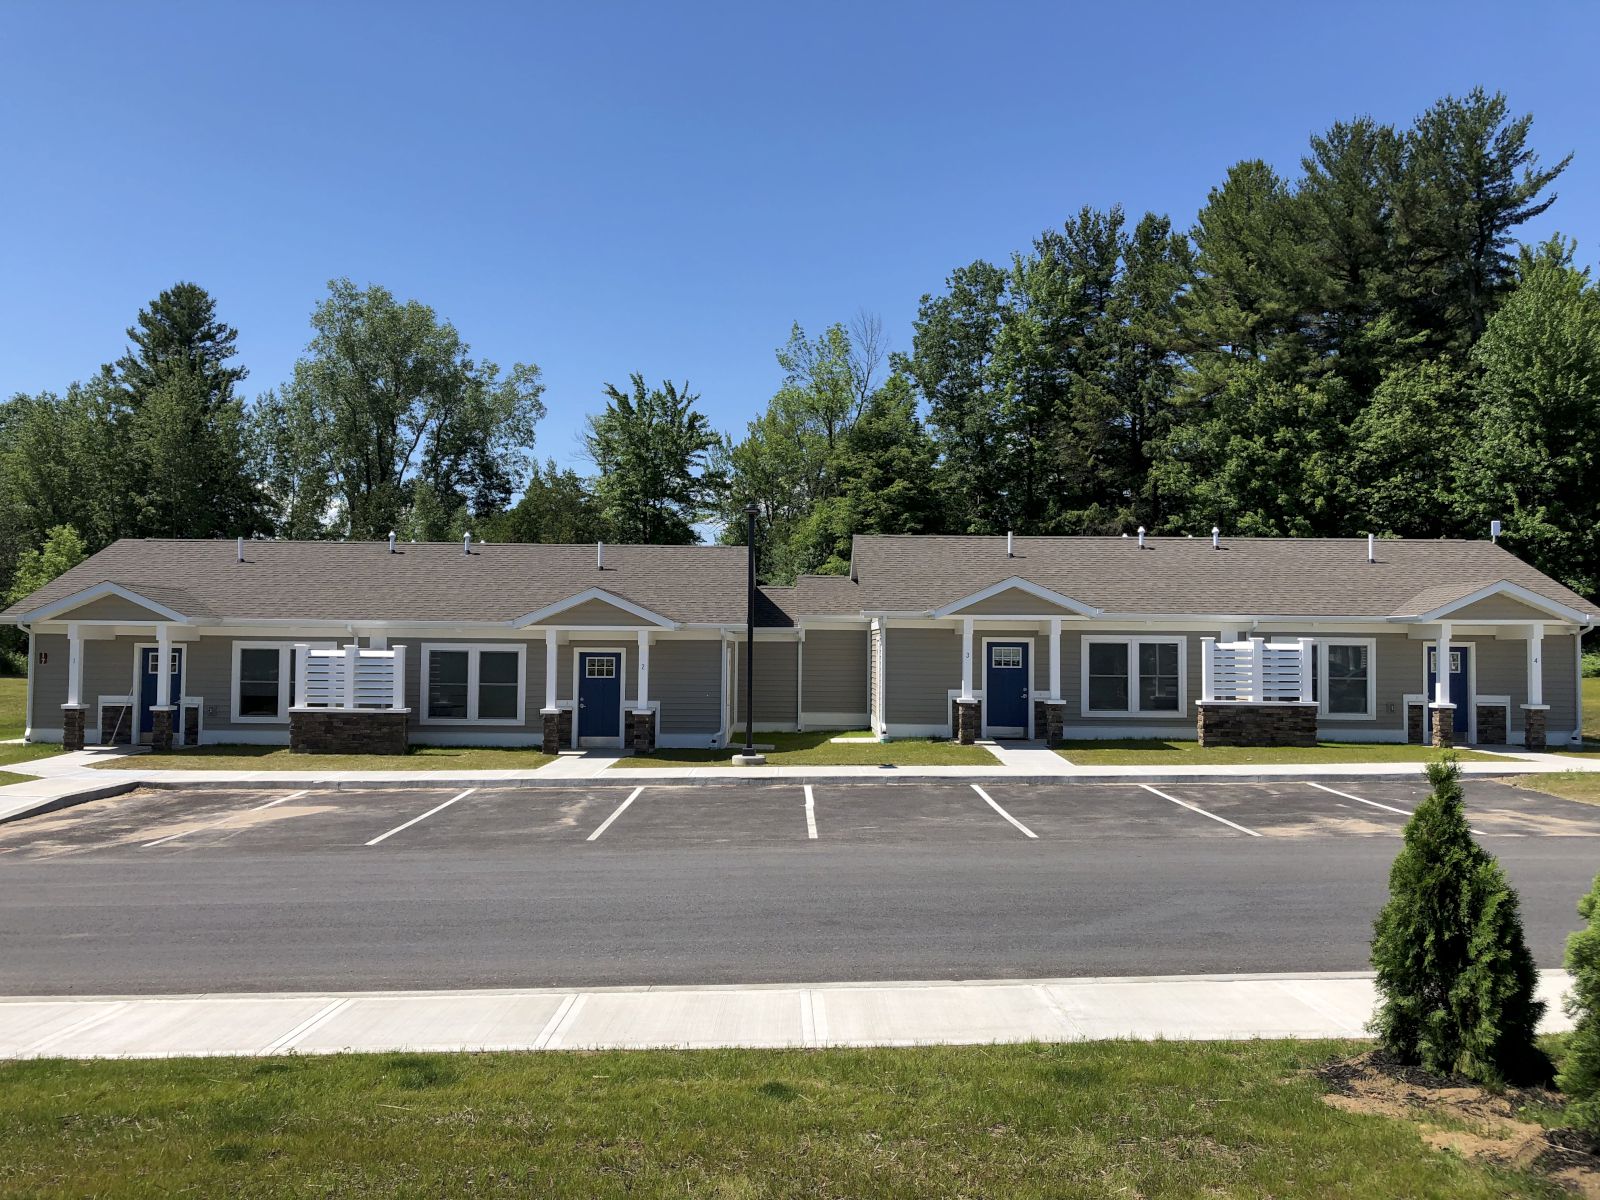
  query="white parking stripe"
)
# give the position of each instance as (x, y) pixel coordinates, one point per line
(620, 809)
(423, 817)
(990, 801)
(811, 813)
(1198, 809)
(172, 837)
(1404, 812)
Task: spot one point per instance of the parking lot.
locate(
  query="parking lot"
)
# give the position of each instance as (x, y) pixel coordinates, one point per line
(178, 823)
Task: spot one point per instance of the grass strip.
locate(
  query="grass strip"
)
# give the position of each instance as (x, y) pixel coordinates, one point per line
(277, 758)
(1156, 752)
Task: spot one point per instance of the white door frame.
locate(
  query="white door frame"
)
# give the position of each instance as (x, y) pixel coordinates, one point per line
(578, 739)
(137, 693)
(1027, 670)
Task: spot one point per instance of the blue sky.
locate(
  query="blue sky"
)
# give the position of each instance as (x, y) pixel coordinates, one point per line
(602, 188)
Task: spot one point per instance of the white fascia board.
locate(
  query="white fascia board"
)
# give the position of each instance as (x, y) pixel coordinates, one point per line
(605, 597)
(1506, 588)
(836, 622)
(1022, 585)
(89, 594)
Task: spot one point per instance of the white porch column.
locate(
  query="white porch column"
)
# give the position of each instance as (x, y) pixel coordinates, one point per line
(302, 669)
(1536, 664)
(642, 700)
(1441, 682)
(352, 664)
(74, 665)
(1055, 658)
(1208, 676)
(398, 700)
(966, 658)
(550, 670)
(164, 667)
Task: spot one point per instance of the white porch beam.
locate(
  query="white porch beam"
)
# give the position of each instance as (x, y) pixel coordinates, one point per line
(1536, 663)
(966, 658)
(1441, 679)
(550, 640)
(1055, 659)
(74, 665)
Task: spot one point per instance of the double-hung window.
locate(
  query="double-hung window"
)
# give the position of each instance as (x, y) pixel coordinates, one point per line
(478, 683)
(263, 681)
(1133, 676)
(1345, 681)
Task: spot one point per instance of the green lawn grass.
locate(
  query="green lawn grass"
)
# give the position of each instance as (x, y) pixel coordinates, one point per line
(819, 749)
(12, 777)
(13, 706)
(1083, 1120)
(1570, 785)
(10, 755)
(1154, 752)
(276, 758)
(1591, 709)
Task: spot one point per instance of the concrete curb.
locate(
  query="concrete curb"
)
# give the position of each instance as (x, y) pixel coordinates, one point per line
(11, 810)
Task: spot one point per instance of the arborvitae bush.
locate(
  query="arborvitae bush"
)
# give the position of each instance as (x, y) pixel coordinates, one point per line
(1455, 978)
(1580, 1069)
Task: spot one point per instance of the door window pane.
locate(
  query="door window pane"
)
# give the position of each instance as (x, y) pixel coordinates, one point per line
(258, 681)
(1348, 673)
(600, 668)
(497, 686)
(1108, 676)
(1158, 676)
(447, 685)
(1005, 657)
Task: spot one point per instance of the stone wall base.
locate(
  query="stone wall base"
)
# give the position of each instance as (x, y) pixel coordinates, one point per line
(348, 731)
(1442, 724)
(1493, 724)
(191, 725)
(72, 719)
(1049, 721)
(557, 730)
(1233, 724)
(641, 731)
(1417, 724)
(1534, 727)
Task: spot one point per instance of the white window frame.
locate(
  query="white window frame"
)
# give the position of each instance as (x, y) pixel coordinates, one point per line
(285, 689)
(473, 651)
(1371, 645)
(1132, 642)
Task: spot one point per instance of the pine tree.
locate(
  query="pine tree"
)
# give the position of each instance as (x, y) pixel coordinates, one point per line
(1455, 977)
(1580, 1069)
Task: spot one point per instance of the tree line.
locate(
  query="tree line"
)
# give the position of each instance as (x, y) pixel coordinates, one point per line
(1364, 347)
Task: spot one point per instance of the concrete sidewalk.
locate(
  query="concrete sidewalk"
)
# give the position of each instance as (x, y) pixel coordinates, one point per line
(867, 1014)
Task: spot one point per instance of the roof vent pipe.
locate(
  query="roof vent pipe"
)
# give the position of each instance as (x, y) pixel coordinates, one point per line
(1141, 537)
(1011, 544)
(1372, 547)
(1216, 538)
(600, 556)
(239, 549)
(391, 541)
(466, 544)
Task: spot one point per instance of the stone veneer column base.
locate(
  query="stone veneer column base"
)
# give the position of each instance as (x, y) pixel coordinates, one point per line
(1230, 723)
(72, 719)
(1055, 723)
(348, 730)
(1417, 724)
(1442, 725)
(557, 729)
(1534, 726)
(1493, 720)
(161, 728)
(968, 719)
(641, 731)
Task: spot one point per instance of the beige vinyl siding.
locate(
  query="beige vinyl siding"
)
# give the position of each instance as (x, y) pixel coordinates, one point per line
(924, 663)
(566, 658)
(1502, 670)
(594, 612)
(532, 684)
(834, 675)
(1396, 658)
(686, 679)
(1498, 608)
(1562, 672)
(777, 667)
(110, 608)
(1014, 602)
(49, 680)
(1072, 652)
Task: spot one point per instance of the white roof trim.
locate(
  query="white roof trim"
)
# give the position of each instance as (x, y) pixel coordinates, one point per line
(605, 597)
(1505, 588)
(1020, 584)
(90, 594)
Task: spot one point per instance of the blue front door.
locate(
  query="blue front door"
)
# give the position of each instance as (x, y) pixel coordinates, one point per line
(1460, 662)
(1005, 689)
(599, 694)
(149, 672)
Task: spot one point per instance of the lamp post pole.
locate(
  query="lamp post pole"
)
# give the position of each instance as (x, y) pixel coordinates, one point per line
(748, 755)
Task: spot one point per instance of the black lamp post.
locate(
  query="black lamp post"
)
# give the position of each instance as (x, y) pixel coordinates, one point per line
(749, 753)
